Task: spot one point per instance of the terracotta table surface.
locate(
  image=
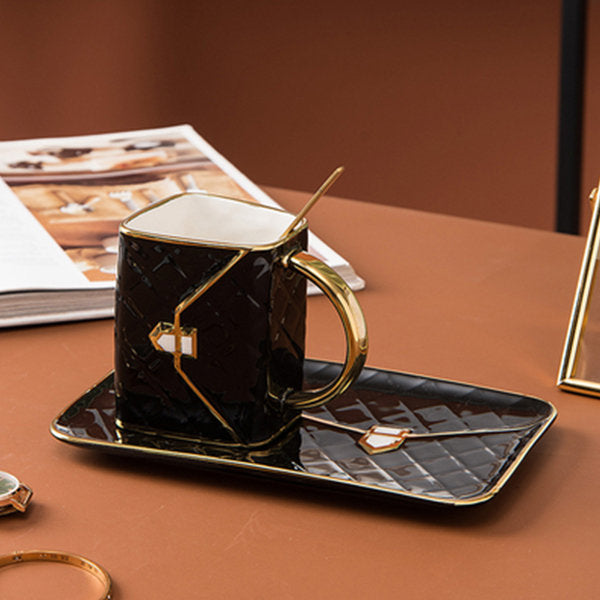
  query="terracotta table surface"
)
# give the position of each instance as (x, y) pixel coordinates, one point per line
(478, 302)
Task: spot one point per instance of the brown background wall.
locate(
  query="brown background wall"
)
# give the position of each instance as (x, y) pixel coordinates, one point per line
(441, 105)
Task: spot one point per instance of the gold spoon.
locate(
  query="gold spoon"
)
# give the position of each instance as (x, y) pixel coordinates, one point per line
(318, 194)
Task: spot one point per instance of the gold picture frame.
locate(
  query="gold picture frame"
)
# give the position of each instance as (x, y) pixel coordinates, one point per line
(580, 365)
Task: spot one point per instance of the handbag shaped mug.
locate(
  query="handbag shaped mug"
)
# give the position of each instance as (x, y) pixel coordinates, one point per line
(210, 321)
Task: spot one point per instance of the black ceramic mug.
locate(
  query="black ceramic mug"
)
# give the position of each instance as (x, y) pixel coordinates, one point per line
(210, 321)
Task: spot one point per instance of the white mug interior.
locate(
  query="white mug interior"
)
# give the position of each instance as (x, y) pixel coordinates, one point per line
(212, 219)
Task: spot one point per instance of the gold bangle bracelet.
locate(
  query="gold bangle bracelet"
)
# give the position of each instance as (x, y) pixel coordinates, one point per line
(96, 570)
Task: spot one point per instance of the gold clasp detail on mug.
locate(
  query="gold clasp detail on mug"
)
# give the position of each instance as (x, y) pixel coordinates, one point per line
(166, 337)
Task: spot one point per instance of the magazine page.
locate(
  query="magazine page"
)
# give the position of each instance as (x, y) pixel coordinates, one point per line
(79, 189)
(29, 256)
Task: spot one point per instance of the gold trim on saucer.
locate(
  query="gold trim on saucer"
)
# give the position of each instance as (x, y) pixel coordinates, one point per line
(66, 428)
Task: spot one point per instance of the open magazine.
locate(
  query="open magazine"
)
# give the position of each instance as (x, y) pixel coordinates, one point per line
(61, 203)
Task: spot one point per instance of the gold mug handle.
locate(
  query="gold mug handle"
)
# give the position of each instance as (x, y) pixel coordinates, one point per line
(353, 320)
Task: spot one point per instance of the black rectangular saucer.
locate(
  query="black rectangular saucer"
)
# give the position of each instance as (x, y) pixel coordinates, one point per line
(464, 443)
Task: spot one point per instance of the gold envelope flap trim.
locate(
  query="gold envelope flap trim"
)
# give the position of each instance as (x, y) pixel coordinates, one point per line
(180, 341)
(385, 438)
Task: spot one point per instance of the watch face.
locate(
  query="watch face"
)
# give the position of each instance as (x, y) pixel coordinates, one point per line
(8, 484)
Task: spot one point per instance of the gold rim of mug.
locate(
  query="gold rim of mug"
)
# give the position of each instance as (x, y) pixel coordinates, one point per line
(125, 230)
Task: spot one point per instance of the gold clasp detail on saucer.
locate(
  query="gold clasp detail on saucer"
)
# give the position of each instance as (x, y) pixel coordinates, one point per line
(380, 438)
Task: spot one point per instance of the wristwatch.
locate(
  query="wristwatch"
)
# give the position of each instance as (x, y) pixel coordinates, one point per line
(14, 495)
